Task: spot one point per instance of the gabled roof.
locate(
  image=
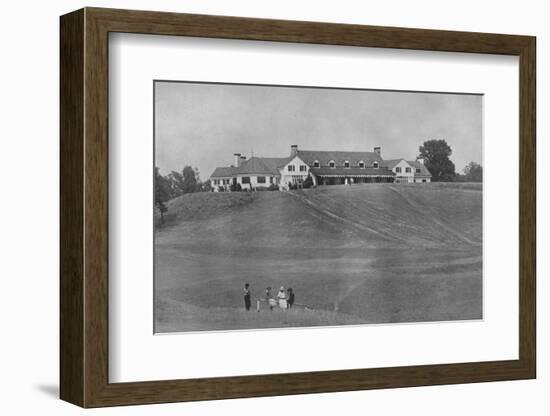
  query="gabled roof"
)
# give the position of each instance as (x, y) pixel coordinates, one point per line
(254, 165)
(271, 165)
(223, 172)
(267, 165)
(391, 163)
(325, 156)
(423, 169)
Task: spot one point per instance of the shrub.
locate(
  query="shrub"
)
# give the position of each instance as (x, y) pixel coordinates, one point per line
(308, 183)
(235, 187)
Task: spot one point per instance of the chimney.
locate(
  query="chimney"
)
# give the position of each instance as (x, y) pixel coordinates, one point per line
(377, 151)
(420, 159)
(236, 159)
(243, 159)
(293, 150)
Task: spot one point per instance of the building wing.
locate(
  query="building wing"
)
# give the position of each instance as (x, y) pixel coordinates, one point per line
(424, 172)
(262, 165)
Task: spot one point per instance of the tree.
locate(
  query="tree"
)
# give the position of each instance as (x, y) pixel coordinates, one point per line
(436, 155)
(186, 182)
(473, 172)
(197, 175)
(176, 184)
(308, 182)
(189, 180)
(206, 186)
(162, 193)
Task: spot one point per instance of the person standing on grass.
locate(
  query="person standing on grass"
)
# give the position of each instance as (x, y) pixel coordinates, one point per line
(281, 296)
(247, 297)
(290, 300)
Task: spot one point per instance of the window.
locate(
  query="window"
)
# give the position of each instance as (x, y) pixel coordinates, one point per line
(303, 168)
(291, 168)
(423, 180)
(316, 164)
(245, 179)
(331, 164)
(398, 170)
(261, 179)
(417, 170)
(271, 179)
(408, 170)
(375, 164)
(362, 164)
(346, 164)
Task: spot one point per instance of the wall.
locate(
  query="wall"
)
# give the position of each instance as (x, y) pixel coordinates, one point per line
(29, 212)
(404, 176)
(254, 181)
(286, 175)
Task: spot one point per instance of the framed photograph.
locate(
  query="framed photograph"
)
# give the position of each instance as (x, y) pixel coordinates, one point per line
(255, 207)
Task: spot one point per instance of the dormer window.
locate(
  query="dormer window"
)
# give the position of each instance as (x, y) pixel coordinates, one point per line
(331, 164)
(346, 164)
(417, 170)
(316, 164)
(362, 164)
(375, 165)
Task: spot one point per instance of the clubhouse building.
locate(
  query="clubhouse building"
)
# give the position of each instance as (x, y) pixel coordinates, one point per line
(324, 168)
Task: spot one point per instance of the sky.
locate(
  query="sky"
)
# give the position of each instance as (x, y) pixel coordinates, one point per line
(204, 124)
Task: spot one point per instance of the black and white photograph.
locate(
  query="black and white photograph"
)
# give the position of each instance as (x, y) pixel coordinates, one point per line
(295, 206)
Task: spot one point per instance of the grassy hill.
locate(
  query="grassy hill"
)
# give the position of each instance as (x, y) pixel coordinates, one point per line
(394, 215)
(370, 253)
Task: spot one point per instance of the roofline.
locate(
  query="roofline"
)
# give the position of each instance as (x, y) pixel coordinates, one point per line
(256, 173)
(348, 176)
(337, 151)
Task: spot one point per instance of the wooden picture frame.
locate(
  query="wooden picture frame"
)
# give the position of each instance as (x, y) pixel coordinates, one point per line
(84, 207)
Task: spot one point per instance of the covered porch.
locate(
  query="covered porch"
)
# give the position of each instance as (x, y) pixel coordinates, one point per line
(351, 179)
